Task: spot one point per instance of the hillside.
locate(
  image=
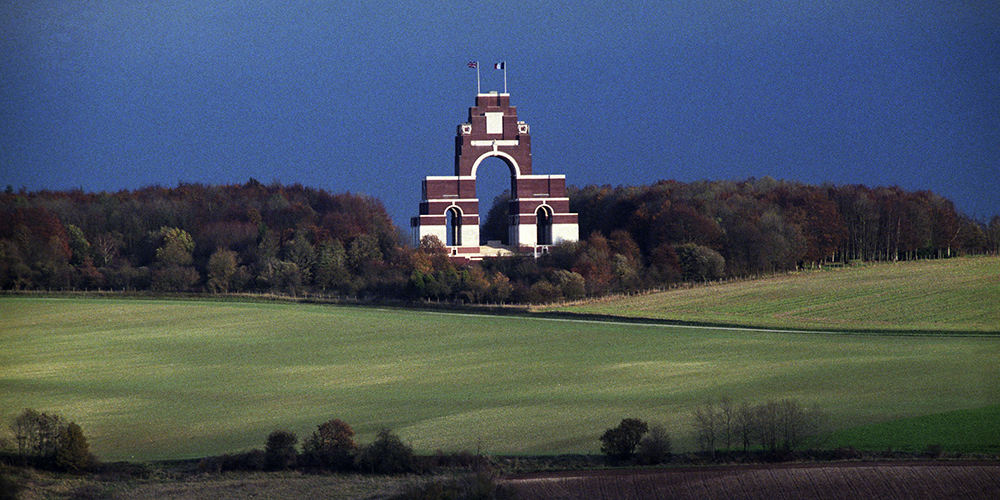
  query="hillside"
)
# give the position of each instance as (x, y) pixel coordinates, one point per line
(174, 379)
(949, 295)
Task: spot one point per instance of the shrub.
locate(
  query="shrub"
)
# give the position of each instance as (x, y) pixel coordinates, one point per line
(279, 451)
(387, 455)
(73, 452)
(655, 447)
(331, 447)
(619, 443)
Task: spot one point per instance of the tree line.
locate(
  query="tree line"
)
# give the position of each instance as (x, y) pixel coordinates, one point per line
(48, 441)
(724, 427)
(766, 225)
(298, 240)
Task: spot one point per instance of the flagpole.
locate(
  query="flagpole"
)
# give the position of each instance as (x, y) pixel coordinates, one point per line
(504, 64)
(478, 88)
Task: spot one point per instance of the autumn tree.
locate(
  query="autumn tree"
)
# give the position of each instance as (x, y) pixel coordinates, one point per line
(176, 246)
(222, 268)
(594, 264)
(300, 252)
(174, 256)
(699, 263)
(331, 270)
(331, 446)
(572, 285)
(364, 255)
(73, 452)
(78, 244)
(500, 289)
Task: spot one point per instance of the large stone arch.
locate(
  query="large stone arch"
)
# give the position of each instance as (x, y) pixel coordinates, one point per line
(510, 161)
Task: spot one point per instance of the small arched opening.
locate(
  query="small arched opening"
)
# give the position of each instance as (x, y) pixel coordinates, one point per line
(453, 227)
(543, 217)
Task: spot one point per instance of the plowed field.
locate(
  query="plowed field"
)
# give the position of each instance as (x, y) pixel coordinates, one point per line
(892, 480)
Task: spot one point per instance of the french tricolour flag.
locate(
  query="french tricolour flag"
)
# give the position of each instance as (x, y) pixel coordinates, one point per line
(500, 65)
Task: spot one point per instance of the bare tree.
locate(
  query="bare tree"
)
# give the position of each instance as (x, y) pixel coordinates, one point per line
(655, 447)
(746, 425)
(706, 423)
(37, 434)
(727, 422)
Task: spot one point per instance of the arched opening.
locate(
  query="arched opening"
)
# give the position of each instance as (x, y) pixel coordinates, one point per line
(544, 225)
(453, 227)
(493, 188)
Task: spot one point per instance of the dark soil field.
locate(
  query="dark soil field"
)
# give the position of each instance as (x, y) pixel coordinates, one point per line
(944, 479)
(886, 480)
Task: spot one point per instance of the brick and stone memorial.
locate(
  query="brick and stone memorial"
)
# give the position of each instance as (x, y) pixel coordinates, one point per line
(539, 208)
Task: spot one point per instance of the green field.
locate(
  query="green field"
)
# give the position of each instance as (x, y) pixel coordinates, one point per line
(945, 295)
(976, 430)
(158, 379)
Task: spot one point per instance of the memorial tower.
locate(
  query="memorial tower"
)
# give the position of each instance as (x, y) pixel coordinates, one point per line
(539, 209)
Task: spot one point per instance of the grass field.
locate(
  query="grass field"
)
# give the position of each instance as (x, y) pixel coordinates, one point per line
(976, 430)
(946, 295)
(162, 379)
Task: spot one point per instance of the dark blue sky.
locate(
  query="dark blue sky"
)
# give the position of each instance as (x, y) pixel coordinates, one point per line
(365, 96)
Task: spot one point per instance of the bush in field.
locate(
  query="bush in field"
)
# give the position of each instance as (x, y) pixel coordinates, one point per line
(619, 443)
(73, 452)
(49, 441)
(279, 450)
(387, 455)
(331, 447)
(654, 447)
